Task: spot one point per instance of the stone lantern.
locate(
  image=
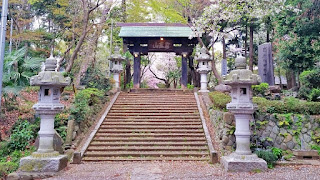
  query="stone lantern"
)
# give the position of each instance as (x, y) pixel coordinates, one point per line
(203, 58)
(242, 107)
(117, 68)
(45, 159)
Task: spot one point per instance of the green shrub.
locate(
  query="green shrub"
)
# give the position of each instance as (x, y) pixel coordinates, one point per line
(309, 80)
(277, 152)
(7, 168)
(61, 123)
(94, 78)
(288, 105)
(23, 132)
(84, 100)
(190, 86)
(314, 94)
(4, 148)
(219, 99)
(260, 89)
(316, 147)
(268, 156)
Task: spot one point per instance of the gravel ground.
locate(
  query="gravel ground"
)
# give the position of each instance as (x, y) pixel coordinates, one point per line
(179, 170)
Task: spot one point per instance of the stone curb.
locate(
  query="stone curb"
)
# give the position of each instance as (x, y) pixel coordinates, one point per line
(213, 153)
(94, 131)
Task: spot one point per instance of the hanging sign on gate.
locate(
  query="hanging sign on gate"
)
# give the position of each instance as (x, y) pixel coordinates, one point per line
(160, 45)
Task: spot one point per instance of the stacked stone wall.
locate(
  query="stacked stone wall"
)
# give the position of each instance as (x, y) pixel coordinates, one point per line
(285, 131)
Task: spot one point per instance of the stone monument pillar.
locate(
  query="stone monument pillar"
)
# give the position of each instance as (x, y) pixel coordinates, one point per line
(45, 159)
(117, 68)
(224, 67)
(265, 63)
(242, 107)
(136, 69)
(203, 58)
(184, 70)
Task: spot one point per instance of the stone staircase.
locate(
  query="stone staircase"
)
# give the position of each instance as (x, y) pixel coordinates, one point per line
(150, 125)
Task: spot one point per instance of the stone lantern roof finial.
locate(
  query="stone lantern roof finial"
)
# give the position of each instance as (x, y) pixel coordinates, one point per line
(240, 62)
(51, 63)
(203, 55)
(116, 56)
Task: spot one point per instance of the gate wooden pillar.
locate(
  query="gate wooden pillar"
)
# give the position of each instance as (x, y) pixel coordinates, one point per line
(184, 70)
(136, 69)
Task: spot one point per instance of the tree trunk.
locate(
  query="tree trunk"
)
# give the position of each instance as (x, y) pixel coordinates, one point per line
(86, 14)
(214, 69)
(124, 10)
(128, 73)
(224, 51)
(80, 42)
(268, 26)
(246, 42)
(251, 48)
(280, 80)
(291, 80)
(92, 47)
(195, 80)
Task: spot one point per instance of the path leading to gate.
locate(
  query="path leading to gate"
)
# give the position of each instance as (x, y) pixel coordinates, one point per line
(179, 170)
(151, 125)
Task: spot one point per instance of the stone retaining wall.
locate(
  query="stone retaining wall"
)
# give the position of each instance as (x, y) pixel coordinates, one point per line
(285, 131)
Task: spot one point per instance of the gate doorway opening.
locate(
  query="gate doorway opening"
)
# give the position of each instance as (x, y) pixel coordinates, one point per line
(141, 38)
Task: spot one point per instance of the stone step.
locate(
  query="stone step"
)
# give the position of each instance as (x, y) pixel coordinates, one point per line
(182, 104)
(149, 139)
(154, 111)
(150, 123)
(189, 158)
(155, 98)
(155, 101)
(175, 97)
(168, 115)
(160, 94)
(148, 148)
(193, 117)
(147, 153)
(150, 131)
(193, 143)
(149, 134)
(164, 108)
(151, 120)
(138, 127)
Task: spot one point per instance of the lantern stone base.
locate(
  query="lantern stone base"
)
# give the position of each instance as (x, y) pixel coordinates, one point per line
(43, 164)
(243, 163)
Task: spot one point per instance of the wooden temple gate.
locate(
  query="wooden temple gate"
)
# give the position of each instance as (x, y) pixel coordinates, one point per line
(142, 38)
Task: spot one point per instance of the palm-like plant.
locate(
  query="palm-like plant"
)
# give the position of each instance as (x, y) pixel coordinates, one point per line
(17, 70)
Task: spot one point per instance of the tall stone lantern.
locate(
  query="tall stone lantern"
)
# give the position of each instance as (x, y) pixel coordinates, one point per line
(45, 159)
(203, 58)
(117, 68)
(242, 107)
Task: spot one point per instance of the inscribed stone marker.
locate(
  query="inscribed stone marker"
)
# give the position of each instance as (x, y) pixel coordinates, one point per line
(265, 63)
(224, 67)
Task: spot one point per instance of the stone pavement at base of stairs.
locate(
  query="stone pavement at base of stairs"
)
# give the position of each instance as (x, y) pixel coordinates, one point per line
(179, 170)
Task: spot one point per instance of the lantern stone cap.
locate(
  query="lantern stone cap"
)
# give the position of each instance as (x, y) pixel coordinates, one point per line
(240, 62)
(49, 77)
(51, 63)
(116, 56)
(241, 75)
(203, 55)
